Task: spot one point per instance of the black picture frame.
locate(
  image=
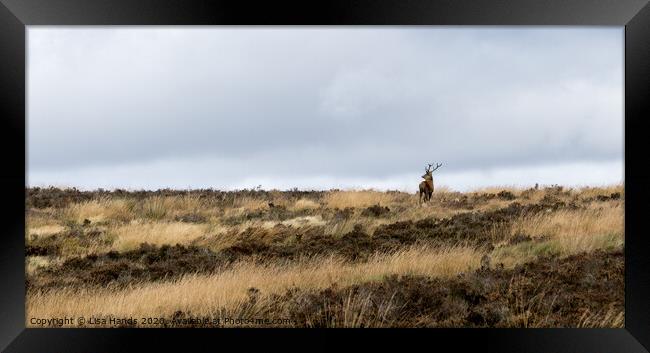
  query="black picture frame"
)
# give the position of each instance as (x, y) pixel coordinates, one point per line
(15, 15)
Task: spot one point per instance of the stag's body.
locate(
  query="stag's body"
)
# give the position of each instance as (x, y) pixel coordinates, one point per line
(426, 187)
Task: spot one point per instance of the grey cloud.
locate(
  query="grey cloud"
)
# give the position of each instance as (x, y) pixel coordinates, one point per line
(345, 102)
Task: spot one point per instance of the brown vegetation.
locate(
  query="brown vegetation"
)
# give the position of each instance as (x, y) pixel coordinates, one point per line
(501, 257)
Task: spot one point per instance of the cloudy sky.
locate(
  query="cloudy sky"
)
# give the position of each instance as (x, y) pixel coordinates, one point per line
(319, 108)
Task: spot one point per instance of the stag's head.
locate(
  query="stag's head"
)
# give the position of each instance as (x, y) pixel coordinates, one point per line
(430, 169)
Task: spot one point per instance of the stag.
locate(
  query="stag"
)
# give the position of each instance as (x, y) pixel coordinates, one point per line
(426, 187)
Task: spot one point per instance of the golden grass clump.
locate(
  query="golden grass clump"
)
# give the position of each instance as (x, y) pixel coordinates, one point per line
(35, 218)
(34, 263)
(591, 191)
(99, 210)
(417, 260)
(564, 233)
(202, 294)
(128, 237)
(45, 230)
(571, 223)
(362, 198)
(605, 318)
(305, 204)
(305, 221)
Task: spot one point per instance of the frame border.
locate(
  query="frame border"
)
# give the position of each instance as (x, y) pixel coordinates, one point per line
(15, 15)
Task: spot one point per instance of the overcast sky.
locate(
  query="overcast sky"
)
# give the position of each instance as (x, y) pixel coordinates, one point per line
(319, 108)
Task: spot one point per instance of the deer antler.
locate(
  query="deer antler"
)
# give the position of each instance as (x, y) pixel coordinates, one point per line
(438, 165)
(428, 168)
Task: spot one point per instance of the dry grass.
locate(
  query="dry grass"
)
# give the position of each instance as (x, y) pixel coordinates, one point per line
(369, 225)
(362, 198)
(514, 255)
(218, 238)
(305, 204)
(565, 233)
(606, 318)
(128, 223)
(590, 192)
(571, 223)
(202, 294)
(442, 189)
(130, 236)
(304, 221)
(34, 263)
(418, 260)
(497, 189)
(46, 230)
(249, 203)
(167, 207)
(434, 209)
(154, 208)
(99, 210)
(41, 217)
(523, 306)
